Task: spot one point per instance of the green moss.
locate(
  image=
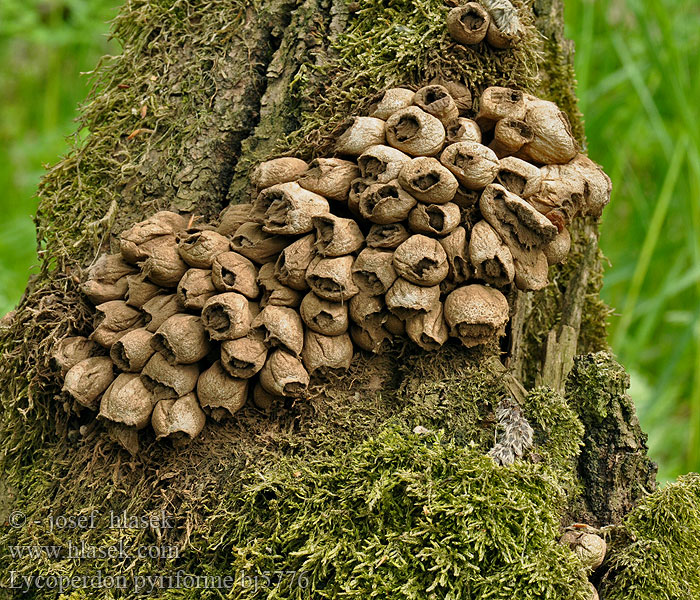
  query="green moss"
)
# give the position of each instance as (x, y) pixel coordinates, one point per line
(656, 555)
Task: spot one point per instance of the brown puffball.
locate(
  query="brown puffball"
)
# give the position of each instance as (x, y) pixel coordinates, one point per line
(287, 208)
(71, 350)
(232, 217)
(113, 319)
(284, 375)
(456, 249)
(86, 380)
(558, 249)
(331, 278)
(279, 327)
(405, 299)
(227, 316)
(492, 260)
(468, 24)
(504, 29)
(357, 187)
(126, 437)
(324, 353)
(166, 380)
(132, 351)
(436, 100)
(463, 130)
(294, 260)
(500, 103)
(380, 164)
(428, 330)
(165, 266)
(216, 389)
(415, 132)
(474, 165)
(427, 180)
(257, 245)
(509, 136)
(330, 178)
(386, 203)
(200, 248)
(276, 171)
(589, 547)
(336, 236)
(178, 418)
(553, 141)
(387, 237)
(195, 288)
(324, 316)
(243, 357)
(421, 260)
(273, 292)
(265, 401)
(140, 290)
(233, 272)
(373, 271)
(389, 101)
(158, 309)
(375, 339)
(476, 314)
(107, 279)
(181, 339)
(128, 401)
(368, 311)
(519, 177)
(356, 134)
(435, 219)
(137, 242)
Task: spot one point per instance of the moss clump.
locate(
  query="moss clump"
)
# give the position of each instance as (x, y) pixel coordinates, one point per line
(656, 554)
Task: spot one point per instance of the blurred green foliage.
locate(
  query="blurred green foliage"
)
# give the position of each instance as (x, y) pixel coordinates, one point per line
(637, 64)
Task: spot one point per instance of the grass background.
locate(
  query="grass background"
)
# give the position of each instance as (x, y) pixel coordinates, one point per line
(637, 64)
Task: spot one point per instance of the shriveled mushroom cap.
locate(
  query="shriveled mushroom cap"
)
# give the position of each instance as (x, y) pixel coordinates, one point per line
(71, 350)
(324, 316)
(227, 316)
(519, 177)
(331, 278)
(428, 330)
(140, 290)
(476, 314)
(588, 546)
(428, 181)
(132, 351)
(386, 203)
(387, 237)
(553, 141)
(373, 271)
(233, 216)
(280, 327)
(505, 28)
(134, 241)
(287, 209)
(244, 357)
(128, 402)
(463, 130)
(492, 260)
(181, 339)
(359, 133)
(166, 380)
(293, 261)
(389, 101)
(421, 260)
(106, 279)
(381, 164)
(277, 170)
(437, 101)
(195, 288)
(87, 379)
(164, 265)
(158, 309)
(257, 245)
(233, 272)
(474, 165)
(200, 248)
(501, 103)
(326, 353)
(216, 389)
(181, 417)
(468, 24)
(330, 177)
(406, 299)
(435, 219)
(336, 236)
(284, 375)
(415, 132)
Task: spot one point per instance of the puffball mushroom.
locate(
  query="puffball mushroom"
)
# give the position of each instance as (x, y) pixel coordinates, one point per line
(389, 101)
(137, 242)
(323, 353)
(324, 316)
(330, 178)
(428, 181)
(474, 165)
(87, 379)
(71, 350)
(421, 260)
(468, 24)
(284, 375)
(178, 418)
(107, 279)
(436, 101)
(243, 357)
(293, 261)
(128, 401)
(359, 133)
(415, 132)
(373, 271)
(476, 314)
(588, 546)
(181, 340)
(227, 316)
(287, 209)
(380, 164)
(199, 249)
(166, 380)
(233, 272)
(277, 170)
(216, 389)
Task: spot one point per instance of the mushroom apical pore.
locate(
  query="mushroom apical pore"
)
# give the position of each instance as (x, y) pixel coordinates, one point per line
(415, 132)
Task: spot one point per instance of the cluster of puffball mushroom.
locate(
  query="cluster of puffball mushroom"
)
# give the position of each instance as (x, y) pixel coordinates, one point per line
(413, 230)
(493, 21)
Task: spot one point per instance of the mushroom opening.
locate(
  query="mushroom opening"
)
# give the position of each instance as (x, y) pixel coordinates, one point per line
(462, 160)
(161, 344)
(426, 181)
(119, 356)
(323, 320)
(324, 230)
(407, 128)
(228, 276)
(216, 318)
(370, 281)
(158, 389)
(371, 168)
(521, 127)
(472, 19)
(475, 331)
(294, 389)
(512, 181)
(278, 211)
(326, 284)
(436, 218)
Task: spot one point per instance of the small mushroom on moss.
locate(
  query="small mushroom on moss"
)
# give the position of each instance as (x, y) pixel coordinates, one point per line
(227, 316)
(389, 101)
(331, 278)
(71, 350)
(165, 266)
(492, 260)
(243, 357)
(140, 290)
(436, 100)
(509, 137)
(132, 351)
(359, 133)
(182, 419)
(405, 299)
(277, 170)
(519, 177)
(381, 164)
(386, 203)
(128, 401)
(505, 28)
(323, 353)
(113, 319)
(428, 181)
(330, 178)
(476, 314)
(373, 271)
(474, 165)
(166, 380)
(387, 237)
(415, 132)
(336, 236)
(588, 546)
(181, 339)
(273, 292)
(468, 24)
(87, 379)
(279, 327)
(324, 316)
(200, 248)
(137, 242)
(257, 245)
(428, 330)
(232, 217)
(500, 103)
(284, 375)
(158, 309)
(553, 141)
(435, 219)
(287, 208)
(233, 272)
(421, 260)
(463, 130)
(107, 279)
(293, 261)
(456, 249)
(222, 394)
(195, 288)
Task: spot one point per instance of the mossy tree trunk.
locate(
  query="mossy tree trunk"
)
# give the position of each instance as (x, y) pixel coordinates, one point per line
(201, 92)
